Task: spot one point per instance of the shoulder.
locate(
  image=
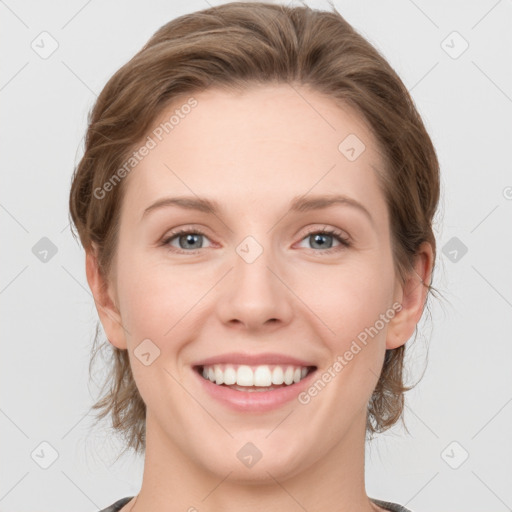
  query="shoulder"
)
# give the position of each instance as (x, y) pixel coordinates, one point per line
(389, 505)
(115, 507)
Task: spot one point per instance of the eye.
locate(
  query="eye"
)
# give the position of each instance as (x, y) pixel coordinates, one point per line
(190, 241)
(318, 237)
(187, 239)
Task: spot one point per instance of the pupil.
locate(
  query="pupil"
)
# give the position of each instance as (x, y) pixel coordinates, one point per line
(317, 237)
(190, 238)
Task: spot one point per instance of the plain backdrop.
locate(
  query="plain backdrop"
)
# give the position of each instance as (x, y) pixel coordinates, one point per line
(454, 56)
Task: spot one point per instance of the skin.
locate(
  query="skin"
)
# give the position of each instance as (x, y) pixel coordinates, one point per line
(253, 153)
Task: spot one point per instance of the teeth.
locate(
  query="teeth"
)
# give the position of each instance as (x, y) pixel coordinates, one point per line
(219, 376)
(260, 376)
(244, 376)
(229, 376)
(278, 375)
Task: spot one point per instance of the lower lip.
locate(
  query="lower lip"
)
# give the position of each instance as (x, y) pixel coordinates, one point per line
(256, 401)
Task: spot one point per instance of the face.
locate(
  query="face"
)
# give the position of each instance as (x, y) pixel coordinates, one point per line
(272, 278)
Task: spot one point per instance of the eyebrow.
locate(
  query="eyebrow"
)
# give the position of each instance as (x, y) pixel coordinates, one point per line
(297, 204)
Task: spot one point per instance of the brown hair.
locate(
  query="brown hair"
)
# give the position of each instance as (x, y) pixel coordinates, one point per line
(234, 46)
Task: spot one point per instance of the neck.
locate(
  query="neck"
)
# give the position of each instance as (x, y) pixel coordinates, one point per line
(332, 481)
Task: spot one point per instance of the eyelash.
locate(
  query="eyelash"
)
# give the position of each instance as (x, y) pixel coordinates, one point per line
(336, 234)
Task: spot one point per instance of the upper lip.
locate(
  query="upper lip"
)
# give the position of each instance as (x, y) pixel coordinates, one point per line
(253, 360)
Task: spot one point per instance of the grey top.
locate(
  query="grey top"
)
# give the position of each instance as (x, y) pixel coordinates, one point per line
(388, 505)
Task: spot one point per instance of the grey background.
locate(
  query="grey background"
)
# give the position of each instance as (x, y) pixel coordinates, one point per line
(48, 315)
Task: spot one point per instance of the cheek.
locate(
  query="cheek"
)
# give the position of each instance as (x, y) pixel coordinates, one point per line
(157, 298)
(355, 299)
(353, 296)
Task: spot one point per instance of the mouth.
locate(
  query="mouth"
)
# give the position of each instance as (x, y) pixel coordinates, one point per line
(249, 379)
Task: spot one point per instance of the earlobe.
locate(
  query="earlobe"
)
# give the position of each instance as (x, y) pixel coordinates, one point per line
(104, 300)
(411, 295)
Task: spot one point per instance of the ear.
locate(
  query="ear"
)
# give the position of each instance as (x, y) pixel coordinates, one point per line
(104, 299)
(412, 296)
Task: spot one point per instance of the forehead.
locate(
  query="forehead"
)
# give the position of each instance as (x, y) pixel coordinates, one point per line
(268, 143)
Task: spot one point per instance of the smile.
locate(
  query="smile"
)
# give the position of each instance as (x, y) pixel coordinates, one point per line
(260, 388)
(262, 376)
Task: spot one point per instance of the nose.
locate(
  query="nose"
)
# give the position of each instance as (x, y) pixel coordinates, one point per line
(255, 295)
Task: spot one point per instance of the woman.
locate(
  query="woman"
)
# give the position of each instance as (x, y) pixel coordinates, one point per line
(255, 202)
